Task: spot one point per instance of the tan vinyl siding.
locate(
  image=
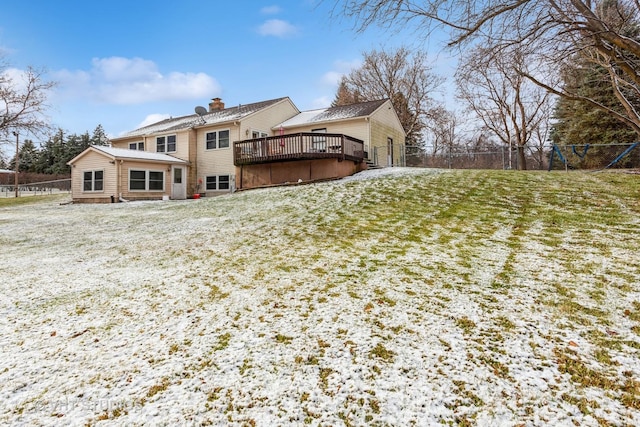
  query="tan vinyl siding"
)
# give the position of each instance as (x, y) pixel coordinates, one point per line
(384, 125)
(126, 166)
(219, 161)
(264, 120)
(150, 143)
(356, 128)
(124, 143)
(89, 162)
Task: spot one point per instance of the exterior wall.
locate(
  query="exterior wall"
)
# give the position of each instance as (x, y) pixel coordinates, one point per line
(220, 161)
(123, 180)
(261, 175)
(124, 143)
(384, 125)
(264, 120)
(356, 128)
(93, 161)
(183, 143)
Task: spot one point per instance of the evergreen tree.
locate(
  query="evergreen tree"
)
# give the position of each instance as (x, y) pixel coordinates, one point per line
(99, 136)
(579, 122)
(346, 95)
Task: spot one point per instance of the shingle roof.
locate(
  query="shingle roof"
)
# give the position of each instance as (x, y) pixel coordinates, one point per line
(220, 116)
(352, 111)
(123, 153)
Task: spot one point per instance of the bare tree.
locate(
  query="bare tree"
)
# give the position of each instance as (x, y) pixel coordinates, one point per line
(441, 130)
(401, 76)
(509, 105)
(23, 101)
(555, 30)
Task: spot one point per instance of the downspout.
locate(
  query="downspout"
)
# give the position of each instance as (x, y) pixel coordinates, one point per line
(118, 177)
(120, 198)
(234, 153)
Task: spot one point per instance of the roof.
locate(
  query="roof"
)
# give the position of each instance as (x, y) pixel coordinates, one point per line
(123, 153)
(230, 114)
(6, 171)
(343, 112)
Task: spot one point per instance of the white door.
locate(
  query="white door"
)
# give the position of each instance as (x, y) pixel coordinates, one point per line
(179, 183)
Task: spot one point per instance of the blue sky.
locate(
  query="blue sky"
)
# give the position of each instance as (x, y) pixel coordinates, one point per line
(127, 63)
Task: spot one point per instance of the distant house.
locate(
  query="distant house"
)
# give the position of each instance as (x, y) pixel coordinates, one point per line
(220, 149)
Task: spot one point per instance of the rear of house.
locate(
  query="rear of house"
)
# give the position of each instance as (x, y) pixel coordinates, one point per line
(223, 148)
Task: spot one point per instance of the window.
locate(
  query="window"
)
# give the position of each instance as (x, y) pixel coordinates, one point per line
(93, 180)
(143, 180)
(319, 142)
(221, 182)
(217, 139)
(166, 144)
(136, 146)
(258, 134)
(171, 144)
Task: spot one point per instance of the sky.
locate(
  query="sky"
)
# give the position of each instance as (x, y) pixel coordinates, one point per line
(125, 64)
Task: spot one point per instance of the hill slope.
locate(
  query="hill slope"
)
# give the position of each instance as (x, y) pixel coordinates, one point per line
(419, 297)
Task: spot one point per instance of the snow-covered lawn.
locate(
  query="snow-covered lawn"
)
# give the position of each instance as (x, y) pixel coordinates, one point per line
(390, 298)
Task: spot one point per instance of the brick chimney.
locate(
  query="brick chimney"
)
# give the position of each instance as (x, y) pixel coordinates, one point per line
(216, 104)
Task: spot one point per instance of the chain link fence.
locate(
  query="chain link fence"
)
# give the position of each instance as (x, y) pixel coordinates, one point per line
(539, 158)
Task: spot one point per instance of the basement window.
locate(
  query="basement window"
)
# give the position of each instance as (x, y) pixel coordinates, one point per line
(218, 182)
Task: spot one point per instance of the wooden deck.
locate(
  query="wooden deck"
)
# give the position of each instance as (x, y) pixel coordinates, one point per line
(297, 146)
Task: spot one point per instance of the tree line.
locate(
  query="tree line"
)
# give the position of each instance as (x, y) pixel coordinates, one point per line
(51, 156)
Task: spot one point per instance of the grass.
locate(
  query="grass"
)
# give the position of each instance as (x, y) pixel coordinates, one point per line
(33, 200)
(501, 297)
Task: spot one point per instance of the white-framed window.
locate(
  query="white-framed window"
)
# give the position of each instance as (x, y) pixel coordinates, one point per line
(93, 180)
(146, 180)
(166, 144)
(258, 134)
(217, 139)
(136, 146)
(218, 182)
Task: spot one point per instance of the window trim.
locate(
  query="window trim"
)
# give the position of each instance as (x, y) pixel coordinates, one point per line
(147, 173)
(217, 182)
(93, 181)
(216, 141)
(166, 143)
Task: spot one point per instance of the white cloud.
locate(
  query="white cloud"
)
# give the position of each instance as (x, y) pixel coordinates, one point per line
(152, 118)
(340, 68)
(322, 102)
(271, 10)
(332, 78)
(277, 28)
(118, 80)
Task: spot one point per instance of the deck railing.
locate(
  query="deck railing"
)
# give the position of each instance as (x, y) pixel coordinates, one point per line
(298, 146)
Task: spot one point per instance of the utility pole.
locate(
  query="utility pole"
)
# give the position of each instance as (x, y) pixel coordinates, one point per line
(17, 163)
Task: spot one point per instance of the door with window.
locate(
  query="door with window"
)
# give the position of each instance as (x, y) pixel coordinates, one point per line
(179, 183)
(389, 151)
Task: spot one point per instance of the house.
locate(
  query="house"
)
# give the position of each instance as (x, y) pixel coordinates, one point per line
(314, 145)
(221, 149)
